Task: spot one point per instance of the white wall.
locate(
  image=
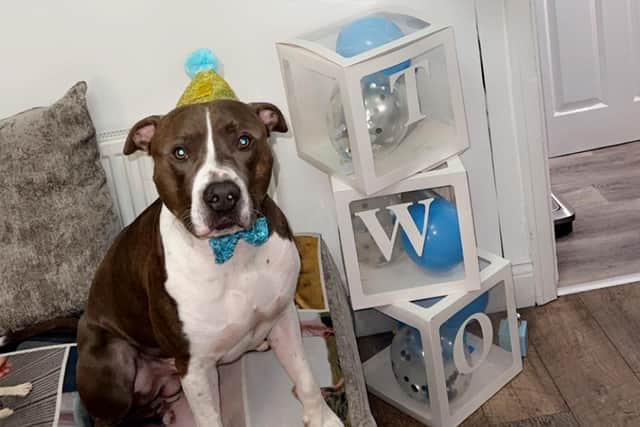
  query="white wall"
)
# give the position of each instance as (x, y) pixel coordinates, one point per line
(131, 54)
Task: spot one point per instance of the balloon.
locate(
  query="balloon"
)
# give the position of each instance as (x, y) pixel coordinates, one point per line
(407, 363)
(478, 305)
(386, 113)
(442, 245)
(336, 123)
(367, 33)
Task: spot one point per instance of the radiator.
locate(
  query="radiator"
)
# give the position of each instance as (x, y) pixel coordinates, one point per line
(129, 177)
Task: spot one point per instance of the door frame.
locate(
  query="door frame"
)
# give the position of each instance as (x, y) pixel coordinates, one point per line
(508, 39)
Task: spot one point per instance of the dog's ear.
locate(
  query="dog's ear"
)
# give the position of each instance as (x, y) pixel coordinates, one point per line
(270, 115)
(140, 135)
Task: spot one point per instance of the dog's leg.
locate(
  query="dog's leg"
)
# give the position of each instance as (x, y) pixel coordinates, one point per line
(286, 342)
(5, 412)
(105, 373)
(200, 385)
(20, 390)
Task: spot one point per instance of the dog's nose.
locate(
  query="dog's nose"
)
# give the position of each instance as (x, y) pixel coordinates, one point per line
(221, 196)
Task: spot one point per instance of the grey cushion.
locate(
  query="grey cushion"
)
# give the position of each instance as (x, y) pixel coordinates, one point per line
(56, 215)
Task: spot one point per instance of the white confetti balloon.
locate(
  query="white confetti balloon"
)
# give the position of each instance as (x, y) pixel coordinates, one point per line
(407, 362)
(386, 114)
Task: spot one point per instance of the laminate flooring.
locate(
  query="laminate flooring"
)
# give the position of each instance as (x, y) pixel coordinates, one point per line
(603, 188)
(583, 367)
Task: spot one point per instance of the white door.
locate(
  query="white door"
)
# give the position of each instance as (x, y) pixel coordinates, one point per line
(590, 59)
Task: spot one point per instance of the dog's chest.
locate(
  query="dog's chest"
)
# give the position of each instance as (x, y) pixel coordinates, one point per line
(227, 309)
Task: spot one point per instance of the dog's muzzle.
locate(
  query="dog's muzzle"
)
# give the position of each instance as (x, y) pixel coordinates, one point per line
(224, 199)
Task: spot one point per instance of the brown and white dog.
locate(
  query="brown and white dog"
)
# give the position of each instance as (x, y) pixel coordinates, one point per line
(161, 313)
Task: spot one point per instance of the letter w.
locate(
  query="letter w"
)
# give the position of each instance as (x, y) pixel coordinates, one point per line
(403, 218)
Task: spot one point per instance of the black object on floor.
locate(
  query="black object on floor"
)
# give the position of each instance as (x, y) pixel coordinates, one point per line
(563, 216)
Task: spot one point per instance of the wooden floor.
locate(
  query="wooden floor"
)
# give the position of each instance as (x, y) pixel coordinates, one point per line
(583, 367)
(603, 187)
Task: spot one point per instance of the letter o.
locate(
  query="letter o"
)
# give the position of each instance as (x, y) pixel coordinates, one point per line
(487, 338)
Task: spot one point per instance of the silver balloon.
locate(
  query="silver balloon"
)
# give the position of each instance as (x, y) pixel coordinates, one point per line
(337, 125)
(407, 362)
(386, 114)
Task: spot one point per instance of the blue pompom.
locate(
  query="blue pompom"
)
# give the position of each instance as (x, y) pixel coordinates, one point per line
(200, 60)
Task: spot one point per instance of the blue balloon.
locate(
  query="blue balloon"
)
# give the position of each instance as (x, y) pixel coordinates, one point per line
(367, 33)
(478, 305)
(450, 328)
(442, 248)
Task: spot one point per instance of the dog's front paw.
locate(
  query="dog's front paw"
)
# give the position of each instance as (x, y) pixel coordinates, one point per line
(5, 412)
(330, 419)
(324, 417)
(169, 418)
(22, 390)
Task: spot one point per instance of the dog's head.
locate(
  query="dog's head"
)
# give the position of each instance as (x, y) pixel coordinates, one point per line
(212, 162)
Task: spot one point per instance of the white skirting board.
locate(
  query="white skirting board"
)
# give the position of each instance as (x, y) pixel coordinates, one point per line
(598, 284)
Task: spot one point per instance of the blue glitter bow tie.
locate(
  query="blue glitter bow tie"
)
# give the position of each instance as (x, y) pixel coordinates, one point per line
(224, 246)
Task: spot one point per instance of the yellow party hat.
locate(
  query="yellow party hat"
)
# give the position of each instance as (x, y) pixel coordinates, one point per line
(206, 84)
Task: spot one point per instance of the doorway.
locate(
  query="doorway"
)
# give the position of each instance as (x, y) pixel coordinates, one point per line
(602, 188)
(589, 55)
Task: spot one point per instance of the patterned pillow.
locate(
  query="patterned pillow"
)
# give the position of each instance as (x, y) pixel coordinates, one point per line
(57, 218)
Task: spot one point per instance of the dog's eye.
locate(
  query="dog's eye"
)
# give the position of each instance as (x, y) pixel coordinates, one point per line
(244, 142)
(180, 153)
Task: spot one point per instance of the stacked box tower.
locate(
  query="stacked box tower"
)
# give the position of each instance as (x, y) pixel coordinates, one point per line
(376, 102)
